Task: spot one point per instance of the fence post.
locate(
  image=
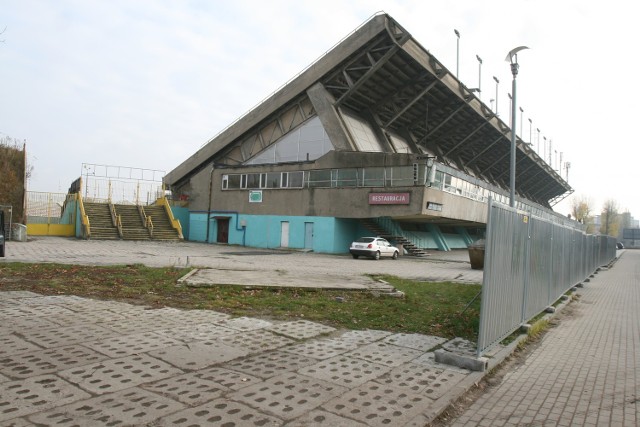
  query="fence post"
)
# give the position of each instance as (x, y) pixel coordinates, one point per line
(527, 270)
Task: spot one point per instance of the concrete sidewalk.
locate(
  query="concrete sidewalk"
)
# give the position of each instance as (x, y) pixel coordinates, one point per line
(586, 372)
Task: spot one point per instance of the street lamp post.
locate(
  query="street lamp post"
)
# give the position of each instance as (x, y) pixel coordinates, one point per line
(521, 126)
(530, 132)
(497, 83)
(544, 149)
(512, 57)
(479, 74)
(457, 53)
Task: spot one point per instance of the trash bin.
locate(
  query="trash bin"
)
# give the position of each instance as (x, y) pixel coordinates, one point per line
(19, 232)
(476, 254)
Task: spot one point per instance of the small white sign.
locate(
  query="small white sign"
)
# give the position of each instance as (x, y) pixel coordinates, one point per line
(255, 196)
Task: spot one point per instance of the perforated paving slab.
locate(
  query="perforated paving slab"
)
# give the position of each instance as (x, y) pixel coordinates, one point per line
(83, 317)
(132, 344)
(320, 418)
(256, 341)
(220, 412)
(23, 397)
(428, 381)
(244, 324)
(11, 344)
(321, 349)
(19, 324)
(270, 364)
(198, 332)
(289, 395)
(47, 361)
(132, 325)
(198, 387)
(188, 389)
(20, 310)
(62, 336)
(378, 405)
(365, 336)
(386, 354)
(131, 407)
(199, 316)
(16, 422)
(119, 374)
(344, 370)
(199, 354)
(415, 341)
(17, 294)
(301, 329)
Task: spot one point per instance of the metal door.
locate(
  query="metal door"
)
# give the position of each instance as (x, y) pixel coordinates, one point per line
(284, 234)
(308, 235)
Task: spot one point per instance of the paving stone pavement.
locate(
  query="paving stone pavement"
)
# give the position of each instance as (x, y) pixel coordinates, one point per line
(202, 368)
(586, 372)
(66, 360)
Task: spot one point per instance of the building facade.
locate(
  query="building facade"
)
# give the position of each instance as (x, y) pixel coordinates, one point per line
(375, 137)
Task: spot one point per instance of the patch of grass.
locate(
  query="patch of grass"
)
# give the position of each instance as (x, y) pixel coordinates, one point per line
(428, 308)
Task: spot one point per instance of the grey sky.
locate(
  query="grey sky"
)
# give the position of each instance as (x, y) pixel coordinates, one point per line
(145, 83)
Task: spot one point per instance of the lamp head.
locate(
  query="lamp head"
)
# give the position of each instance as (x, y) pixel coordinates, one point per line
(457, 33)
(512, 56)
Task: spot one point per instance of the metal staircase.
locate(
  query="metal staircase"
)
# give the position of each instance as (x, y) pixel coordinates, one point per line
(397, 237)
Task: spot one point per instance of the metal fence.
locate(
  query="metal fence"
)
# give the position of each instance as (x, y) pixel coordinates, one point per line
(49, 208)
(530, 262)
(121, 184)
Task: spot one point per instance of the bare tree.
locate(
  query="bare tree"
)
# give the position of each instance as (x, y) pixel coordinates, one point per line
(609, 218)
(581, 207)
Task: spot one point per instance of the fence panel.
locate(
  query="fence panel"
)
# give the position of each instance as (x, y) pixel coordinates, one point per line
(530, 262)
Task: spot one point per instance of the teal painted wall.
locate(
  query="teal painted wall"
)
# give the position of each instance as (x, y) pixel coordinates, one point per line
(182, 215)
(330, 235)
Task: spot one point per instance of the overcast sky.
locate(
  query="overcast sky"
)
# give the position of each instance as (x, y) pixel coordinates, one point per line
(146, 83)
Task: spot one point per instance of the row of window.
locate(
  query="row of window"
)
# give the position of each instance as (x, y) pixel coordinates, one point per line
(325, 178)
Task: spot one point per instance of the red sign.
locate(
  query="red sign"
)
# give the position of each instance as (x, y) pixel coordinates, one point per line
(389, 198)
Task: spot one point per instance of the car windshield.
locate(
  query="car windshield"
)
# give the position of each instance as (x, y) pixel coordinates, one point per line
(365, 240)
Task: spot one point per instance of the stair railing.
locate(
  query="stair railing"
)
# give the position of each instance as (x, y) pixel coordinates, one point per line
(146, 220)
(149, 225)
(117, 219)
(162, 201)
(84, 218)
(393, 228)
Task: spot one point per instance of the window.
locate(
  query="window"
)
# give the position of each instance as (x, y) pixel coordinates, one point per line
(320, 178)
(373, 177)
(253, 180)
(400, 144)
(296, 179)
(363, 134)
(230, 182)
(308, 141)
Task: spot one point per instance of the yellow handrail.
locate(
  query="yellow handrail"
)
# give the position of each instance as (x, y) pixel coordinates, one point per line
(84, 218)
(117, 219)
(174, 222)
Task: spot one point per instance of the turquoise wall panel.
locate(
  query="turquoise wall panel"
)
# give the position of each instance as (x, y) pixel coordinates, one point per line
(182, 215)
(198, 227)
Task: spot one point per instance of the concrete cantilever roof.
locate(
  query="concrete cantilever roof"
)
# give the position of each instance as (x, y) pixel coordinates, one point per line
(382, 72)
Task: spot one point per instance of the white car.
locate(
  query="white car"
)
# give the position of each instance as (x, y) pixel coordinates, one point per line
(373, 247)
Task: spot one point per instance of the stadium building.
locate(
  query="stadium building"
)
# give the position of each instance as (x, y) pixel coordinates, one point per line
(375, 137)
